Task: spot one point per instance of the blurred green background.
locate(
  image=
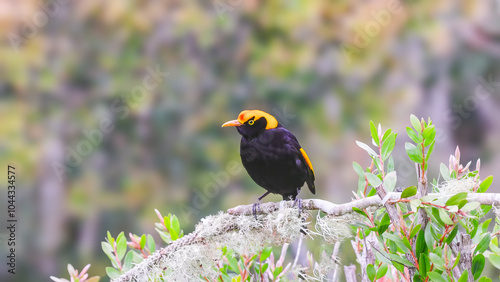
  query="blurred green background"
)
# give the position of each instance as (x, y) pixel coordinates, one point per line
(110, 109)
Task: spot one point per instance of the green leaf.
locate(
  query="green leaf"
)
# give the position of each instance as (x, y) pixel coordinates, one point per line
(121, 236)
(464, 277)
(409, 192)
(401, 260)
(445, 217)
(429, 241)
(390, 180)
(484, 279)
(373, 179)
(386, 133)
(372, 192)
(429, 134)
(396, 239)
(483, 244)
(173, 234)
(265, 267)
(367, 148)
(424, 265)
(128, 262)
(475, 224)
(495, 260)
(151, 243)
(457, 260)
(452, 235)
(175, 224)
(225, 277)
(413, 135)
(413, 152)
(415, 204)
(417, 278)
(398, 266)
(166, 219)
(445, 172)
(388, 146)
(360, 211)
(370, 271)
(113, 273)
(393, 247)
(232, 262)
(106, 247)
(374, 132)
(435, 216)
(485, 209)
(381, 271)
(164, 236)
(434, 276)
(485, 184)
(470, 206)
(455, 199)
(415, 122)
(143, 241)
(108, 250)
(384, 224)
(415, 230)
(121, 246)
(421, 244)
(390, 164)
(431, 149)
(462, 203)
(137, 258)
(358, 169)
(265, 253)
(485, 225)
(277, 271)
(437, 260)
(111, 240)
(478, 265)
(361, 185)
(406, 242)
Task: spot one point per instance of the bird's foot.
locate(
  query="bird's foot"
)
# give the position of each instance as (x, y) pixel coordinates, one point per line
(265, 194)
(254, 210)
(298, 202)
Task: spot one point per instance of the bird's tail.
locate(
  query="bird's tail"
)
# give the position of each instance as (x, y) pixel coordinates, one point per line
(310, 184)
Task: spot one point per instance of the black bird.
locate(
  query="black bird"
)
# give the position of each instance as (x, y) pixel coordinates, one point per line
(272, 155)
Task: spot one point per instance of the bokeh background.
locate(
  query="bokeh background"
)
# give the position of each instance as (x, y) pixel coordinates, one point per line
(110, 109)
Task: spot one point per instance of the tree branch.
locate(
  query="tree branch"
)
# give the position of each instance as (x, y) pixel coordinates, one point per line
(340, 209)
(155, 259)
(350, 273)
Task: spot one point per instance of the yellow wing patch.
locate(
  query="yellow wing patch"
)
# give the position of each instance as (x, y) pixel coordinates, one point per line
(307, 159)
(248, 114)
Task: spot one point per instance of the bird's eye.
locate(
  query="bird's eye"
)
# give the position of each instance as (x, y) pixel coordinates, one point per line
(250, 122)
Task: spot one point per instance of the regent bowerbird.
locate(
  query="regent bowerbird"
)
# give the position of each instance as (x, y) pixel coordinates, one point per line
(272, 155)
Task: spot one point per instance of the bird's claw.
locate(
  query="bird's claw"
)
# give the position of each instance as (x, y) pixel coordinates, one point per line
(254, 210)
(299, 202)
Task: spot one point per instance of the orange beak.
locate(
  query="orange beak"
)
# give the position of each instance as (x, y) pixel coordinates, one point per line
(232, 123)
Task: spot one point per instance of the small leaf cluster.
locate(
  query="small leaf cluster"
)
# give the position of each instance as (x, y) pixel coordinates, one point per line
(169, 227)
(429, 248)
(139, 247)
(241, 267)
(77, 276)
(381, 171)
(423, 134)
